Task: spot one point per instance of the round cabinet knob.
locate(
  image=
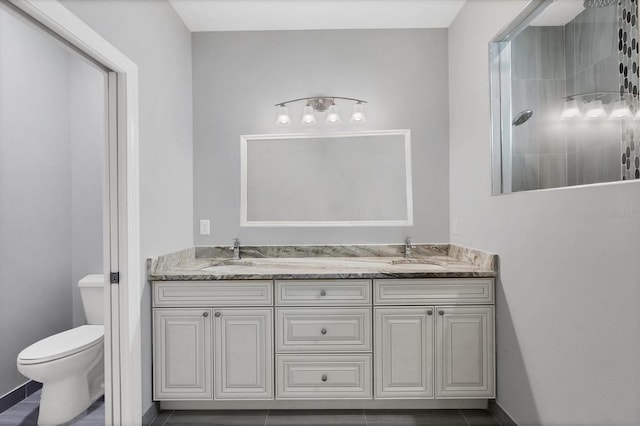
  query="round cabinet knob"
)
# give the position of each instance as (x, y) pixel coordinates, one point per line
(440, 312)
(324, 377)
(323, 331)
(323, 293)
(205, 314)
(430, 312)
(217, 314)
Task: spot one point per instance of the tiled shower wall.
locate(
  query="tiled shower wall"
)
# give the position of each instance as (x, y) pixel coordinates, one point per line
(595, 52)
(538, 83)
(629, 72)
(593, 147)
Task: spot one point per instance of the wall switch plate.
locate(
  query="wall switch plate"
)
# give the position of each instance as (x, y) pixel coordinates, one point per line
(456, 226)
(205, 227)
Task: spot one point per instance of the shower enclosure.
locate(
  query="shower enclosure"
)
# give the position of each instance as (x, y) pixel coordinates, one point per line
(565, 110)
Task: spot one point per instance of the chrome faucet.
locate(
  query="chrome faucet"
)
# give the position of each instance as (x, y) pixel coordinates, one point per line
(236, 249)
(407, 247)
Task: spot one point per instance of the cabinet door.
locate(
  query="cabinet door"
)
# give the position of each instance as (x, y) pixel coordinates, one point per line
(404, 353)
(182, 354)
(465, 352)
(243, 346)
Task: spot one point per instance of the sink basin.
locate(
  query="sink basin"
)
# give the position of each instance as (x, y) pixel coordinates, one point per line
(228, 262)
(410, 261)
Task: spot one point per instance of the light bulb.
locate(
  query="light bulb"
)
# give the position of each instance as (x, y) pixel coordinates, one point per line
(620, 111)
(283, 118)
(358, 114)
(595, 110)
(308, 116)
(333, 116)
(571, 110)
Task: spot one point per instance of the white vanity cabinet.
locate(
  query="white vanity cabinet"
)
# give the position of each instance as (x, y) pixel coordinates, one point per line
(426, 350)
(213, 340)
(332, 343)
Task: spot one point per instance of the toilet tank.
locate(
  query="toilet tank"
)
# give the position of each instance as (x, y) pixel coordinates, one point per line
(92, 289)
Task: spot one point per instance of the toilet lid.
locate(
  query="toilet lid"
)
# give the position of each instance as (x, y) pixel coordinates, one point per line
(62, 344)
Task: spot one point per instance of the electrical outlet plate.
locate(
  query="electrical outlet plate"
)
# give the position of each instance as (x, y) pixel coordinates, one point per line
(205, 227)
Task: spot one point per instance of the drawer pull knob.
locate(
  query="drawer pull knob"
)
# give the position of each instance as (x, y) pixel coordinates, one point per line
(440, 312)
(430, 312)
(323, 293)
(324, 377)
(323, 331)
(205, 314)
(218, 314)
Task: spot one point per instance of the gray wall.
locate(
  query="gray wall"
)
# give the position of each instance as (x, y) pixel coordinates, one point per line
(239, 76)
(152, 35)
(568, 298)
(50, 187)
(87, 138)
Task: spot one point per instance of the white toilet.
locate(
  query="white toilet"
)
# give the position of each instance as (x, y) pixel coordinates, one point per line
(70, 364)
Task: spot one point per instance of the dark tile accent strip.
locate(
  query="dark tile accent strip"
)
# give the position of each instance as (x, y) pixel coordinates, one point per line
(18, 394)
(500, 415)
(150, 415)
(32, 387)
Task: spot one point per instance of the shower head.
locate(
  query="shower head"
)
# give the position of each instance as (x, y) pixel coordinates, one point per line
(522, 117)
(590, 4)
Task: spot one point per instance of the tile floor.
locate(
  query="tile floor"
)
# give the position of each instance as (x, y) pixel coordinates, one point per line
(25, 413)
(328, 417)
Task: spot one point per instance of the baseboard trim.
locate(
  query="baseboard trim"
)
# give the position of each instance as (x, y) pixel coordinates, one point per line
(150, 415)
(10, 399)
(500, 415)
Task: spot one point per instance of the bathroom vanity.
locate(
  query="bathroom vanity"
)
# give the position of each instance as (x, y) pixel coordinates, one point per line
(324, 327)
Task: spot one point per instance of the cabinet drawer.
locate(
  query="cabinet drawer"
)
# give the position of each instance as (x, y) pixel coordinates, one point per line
(323, 377)
(433, 291)
(213, 293)
(323, 330)
(323, 292)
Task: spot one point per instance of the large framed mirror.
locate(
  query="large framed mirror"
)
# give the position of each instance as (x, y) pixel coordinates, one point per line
(564, 95)
(337, 179)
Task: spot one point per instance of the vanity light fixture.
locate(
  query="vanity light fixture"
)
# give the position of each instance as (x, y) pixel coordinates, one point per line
(595, 110)
(570, 110)
(620, 110)
(321, 104)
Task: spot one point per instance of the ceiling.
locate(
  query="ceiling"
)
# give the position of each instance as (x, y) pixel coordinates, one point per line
(261, 15)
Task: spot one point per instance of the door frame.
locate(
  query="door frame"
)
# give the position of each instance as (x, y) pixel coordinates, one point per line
(123, 380)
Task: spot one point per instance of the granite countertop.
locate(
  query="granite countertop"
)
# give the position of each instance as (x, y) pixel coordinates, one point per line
(323, 262)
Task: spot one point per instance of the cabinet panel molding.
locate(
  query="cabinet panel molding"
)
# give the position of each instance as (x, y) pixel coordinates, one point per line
(243, 354)
(182, 354)
(213, 293)
(343, 376)
(404, 352)
(323, 292)
(465, 352)
(433, 291)
(323, 330)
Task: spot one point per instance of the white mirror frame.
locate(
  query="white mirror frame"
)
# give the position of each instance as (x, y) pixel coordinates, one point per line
(244, 141)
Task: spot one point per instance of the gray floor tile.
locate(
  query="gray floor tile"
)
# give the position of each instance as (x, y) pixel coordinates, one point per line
(161, 418)
(479, 418)
(25, 413)
(415, 417)
(221, 417)
(316, 417)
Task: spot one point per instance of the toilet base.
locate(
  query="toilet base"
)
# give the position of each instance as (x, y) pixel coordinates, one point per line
(77, 399)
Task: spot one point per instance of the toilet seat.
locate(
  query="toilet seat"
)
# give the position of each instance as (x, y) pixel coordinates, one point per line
(62, 344)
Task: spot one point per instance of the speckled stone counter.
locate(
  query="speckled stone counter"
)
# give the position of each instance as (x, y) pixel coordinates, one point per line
(324, 262)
